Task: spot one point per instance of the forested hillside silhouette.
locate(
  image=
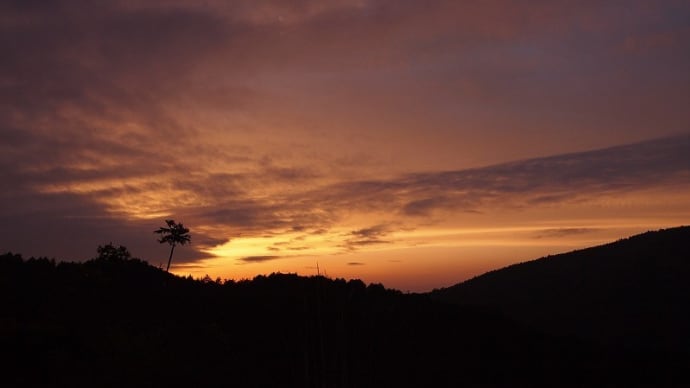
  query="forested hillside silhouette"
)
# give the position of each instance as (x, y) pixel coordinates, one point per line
(117, 321)
(633, 293)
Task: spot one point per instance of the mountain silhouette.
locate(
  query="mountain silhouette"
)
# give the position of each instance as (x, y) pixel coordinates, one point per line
(633, 293)
(116, 321)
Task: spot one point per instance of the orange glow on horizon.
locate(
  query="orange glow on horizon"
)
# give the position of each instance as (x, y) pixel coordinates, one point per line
(406, 143)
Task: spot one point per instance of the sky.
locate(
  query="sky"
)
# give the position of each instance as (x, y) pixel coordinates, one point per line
(411, 143)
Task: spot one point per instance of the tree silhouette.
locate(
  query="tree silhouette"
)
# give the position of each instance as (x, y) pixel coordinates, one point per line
(110, 252)
(174, 234)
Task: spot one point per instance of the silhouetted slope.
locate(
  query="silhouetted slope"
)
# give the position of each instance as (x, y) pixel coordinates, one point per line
(123, 323)
(631, 293)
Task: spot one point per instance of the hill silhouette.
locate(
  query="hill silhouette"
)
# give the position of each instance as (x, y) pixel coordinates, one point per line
(117, 321)
(632, 293)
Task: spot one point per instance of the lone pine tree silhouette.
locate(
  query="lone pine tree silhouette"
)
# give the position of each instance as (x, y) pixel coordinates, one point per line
(174, 234)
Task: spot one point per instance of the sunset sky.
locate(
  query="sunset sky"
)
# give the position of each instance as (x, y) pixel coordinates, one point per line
(413, 143)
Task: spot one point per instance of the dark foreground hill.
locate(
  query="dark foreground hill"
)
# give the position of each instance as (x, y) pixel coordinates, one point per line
(633, 293)
(120, 322)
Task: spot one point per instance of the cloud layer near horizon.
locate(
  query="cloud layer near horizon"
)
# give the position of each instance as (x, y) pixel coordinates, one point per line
(342, 121)
(404, 202)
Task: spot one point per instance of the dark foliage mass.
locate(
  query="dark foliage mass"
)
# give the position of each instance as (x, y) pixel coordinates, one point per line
(632, 296)
(116, 321)
(633, 293)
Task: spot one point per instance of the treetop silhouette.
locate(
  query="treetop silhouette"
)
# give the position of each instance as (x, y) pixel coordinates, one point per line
(110, 252)
(173, 234)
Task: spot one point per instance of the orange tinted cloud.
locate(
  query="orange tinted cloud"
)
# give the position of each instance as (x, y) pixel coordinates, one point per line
(284, 131)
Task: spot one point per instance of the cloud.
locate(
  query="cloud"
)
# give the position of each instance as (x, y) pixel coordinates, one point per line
(250, 119)
(373, 232)
(554, 179)
(422, 207)
(258, 259)
(69, 227)
(368, 236)
(410, 200)
(563, 232)
(355, 263)
(425, 207)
